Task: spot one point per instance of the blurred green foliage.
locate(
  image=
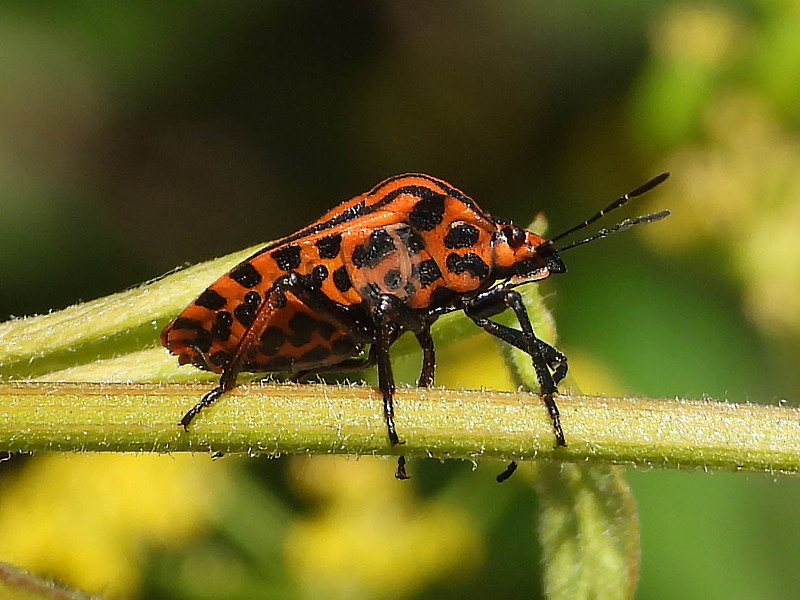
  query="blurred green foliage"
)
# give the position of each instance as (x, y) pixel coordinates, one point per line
(141, 136)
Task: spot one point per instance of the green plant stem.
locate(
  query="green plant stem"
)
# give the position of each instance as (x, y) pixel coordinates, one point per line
(321, 418)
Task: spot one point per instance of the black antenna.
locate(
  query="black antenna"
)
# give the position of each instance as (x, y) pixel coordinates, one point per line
(621, 201)
(618, 227)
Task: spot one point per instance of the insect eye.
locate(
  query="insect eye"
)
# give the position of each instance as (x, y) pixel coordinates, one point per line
(514, 235)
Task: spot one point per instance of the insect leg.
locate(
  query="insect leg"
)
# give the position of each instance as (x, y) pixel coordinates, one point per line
(428, 357)
(493, 302)
(555, 359)
(207, 400)
(385, 375)
(385, 310)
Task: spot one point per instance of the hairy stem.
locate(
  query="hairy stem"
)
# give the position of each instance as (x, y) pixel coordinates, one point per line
(322, 418)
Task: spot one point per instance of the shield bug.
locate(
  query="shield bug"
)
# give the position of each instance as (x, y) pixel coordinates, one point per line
(389, 261)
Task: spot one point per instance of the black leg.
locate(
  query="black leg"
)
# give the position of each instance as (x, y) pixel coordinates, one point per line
(386, 380)
(401, 468)
(207, 400)
(555, 359)
(428, 358)
(508, 472)
(493, 302)
(226, 382)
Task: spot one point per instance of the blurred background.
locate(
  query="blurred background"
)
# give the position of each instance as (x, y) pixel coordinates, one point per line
(142, 136)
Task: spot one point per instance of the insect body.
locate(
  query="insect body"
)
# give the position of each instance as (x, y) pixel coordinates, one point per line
(384, 263)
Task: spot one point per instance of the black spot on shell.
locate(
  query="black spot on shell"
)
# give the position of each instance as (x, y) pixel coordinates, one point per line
(468, 263)
(302, 325)
(330, 245)
(412, 240)
(428, 212)
(220, 333)
(211, 300)
(202, 341)
(271, 340)
(288, 257)
(378, 246)
(221, 329)
(220, 359)
(245, 275)
(320, 273)
(341, 279)
(461, 235)
(224, 318)
(428, 272)
(245, 314)
(316, 355)
(185, 323)
(326, 329)
(252, 299)
(393, 279)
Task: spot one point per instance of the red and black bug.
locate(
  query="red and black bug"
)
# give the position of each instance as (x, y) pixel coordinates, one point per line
(389, 261)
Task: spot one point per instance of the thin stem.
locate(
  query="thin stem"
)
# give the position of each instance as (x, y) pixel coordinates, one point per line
(319, 418)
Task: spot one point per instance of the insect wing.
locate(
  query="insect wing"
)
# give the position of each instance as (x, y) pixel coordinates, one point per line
(289, 335)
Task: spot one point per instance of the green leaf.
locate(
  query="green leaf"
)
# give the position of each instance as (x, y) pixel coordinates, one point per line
(589, 532)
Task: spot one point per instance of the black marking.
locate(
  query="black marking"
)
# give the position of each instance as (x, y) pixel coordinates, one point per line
(344, 345)
(252, 299)
(360, 209)
(409, 288)
(393, 279)
(245, 314)
(220, 359)
(186, 323)
(271, 340)
(411, 239)
(461, 235)
(348, 214)
(341, 279)
(316, 355)
(330, 245)
(320, 273)
(470, 263)
(442, 296)
(202, 341)
(245, 275)
(221, 329)
(279, 363)
(378, 246)
(443, 185)
(428, 212)
(371, 290)
(287, 257)
(428, 272)
(527, 266)
(279, 300)
(326, 329)
(303, 326)
(211, 300)
(220, 333)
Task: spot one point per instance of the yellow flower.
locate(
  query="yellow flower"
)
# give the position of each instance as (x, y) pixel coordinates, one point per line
(87, 519)
(372, 537)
